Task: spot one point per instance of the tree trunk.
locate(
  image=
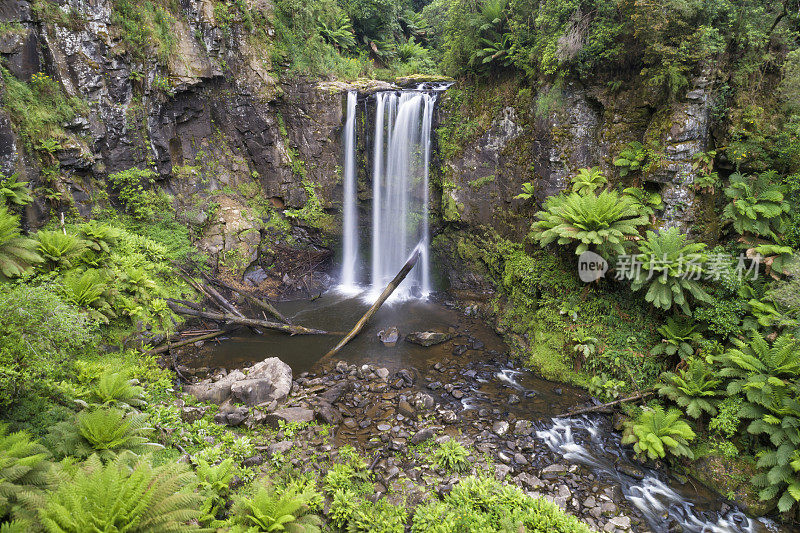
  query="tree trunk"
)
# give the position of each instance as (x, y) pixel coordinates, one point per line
(244, 321)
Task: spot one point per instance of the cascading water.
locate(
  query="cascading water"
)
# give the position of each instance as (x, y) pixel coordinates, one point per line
(659, 503)
(399, 169)
(350, 223)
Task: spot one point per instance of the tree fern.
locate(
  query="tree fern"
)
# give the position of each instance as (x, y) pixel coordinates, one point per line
(114, 497)
(670, 267)
(273, 510)
(106, 432)
(757, 204)
(60, 250)
(23, 468)
(17, 253)
(760, 369)
(602, 222)
(117, 389)
(656, 432)
(695, 389)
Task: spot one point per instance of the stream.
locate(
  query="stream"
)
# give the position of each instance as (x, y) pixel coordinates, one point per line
(490, 388)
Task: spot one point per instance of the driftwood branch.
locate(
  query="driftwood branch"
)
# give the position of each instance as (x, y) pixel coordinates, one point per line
(169, 345)
(604, 406)
(243, 321)
(374, 309)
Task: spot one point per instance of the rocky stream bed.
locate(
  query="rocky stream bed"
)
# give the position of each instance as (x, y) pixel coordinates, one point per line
(394, 403)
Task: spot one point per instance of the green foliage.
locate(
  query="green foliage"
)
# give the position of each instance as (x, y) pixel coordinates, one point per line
(147, 28)
(647, 202)
(528, 190)
(338, 31)
(60, 251)
(116, 388)
(759, 369)
(678, 337)
(24, 468)
(695, 389)
(757, 204)
(40, 334)
(673, 266)
(138, 196)
(214, 485)
(116, 497)
(344, 476)
(452, 456)
(478, 504)
(15, 192)
(606, 387)
(105, 432)
(726, 423)
(632, 159)
(656, 432)
(87, 289)
(273, 510)
(602, 221)
(587, 180)
(17, 253)
(38, 108)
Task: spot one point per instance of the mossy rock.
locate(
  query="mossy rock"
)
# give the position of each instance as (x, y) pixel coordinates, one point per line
(731, 478)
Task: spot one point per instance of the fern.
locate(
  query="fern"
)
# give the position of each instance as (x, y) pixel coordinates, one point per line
(60, 250)
(647, 202)
(106, 432)
(656, 432)
(114, 497)
(678, 337)
(117, 389)
(587, 180)
(452, 456)
(214, 485)
(602, 221)
(13, 191)
(23, 469)
(17, 253)
(757, 204)
(272, 510)
(670, 267)
(694, 389)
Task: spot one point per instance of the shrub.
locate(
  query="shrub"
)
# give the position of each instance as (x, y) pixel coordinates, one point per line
(40, 334)
(670, 267)
(116, 497)
(138, 196)
(656, 432)
(17, 253)
(479, 504)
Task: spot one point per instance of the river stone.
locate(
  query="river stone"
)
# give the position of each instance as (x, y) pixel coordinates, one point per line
(389, 336)
(405, 409)
(214, 391)
(280, 447)
(630, 470)
(500, 427)
(271, 379)
(428, 338)
(327, 414)
(289, 415)
(421, 436)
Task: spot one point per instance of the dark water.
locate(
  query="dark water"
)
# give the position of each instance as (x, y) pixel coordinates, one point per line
(338, 313)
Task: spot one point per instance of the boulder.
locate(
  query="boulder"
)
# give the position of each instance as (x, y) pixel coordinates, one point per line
(328, 414)
(289, 415)
(267, 381)
(428, 338)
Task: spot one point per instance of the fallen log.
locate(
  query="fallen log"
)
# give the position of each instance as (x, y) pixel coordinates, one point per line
(249, 322)
(604, 406)
(390, 288)
(169, 345)
(258, 302)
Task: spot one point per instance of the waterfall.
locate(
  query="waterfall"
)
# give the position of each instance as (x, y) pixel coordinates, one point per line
(400, 160)
(350, 223)
(399, 167)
